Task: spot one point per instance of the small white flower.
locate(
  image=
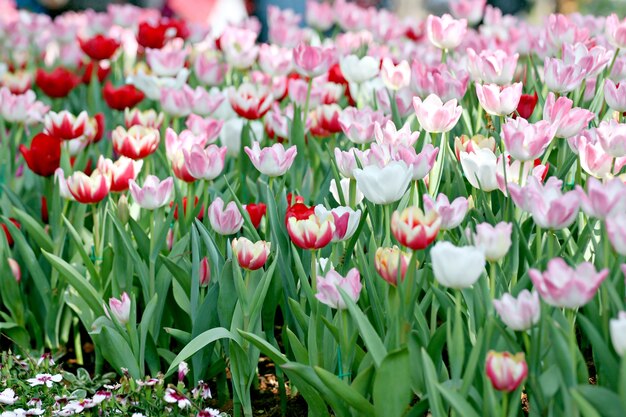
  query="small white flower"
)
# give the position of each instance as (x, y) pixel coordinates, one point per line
(8, 397)
(44, 379)
(173, 397)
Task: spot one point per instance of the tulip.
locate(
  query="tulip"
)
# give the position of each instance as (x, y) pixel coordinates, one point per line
(414, 229)
(566, 287)
(177, 102)
(238, 45)
(256, 213)
(389, 135)
(480, 169)
(272, 161)
(616, 230)
(151, 36)
(21, 108)
(206, 102)
(120, 308)
(275, 60)
(153, 194)
(527, 104)
(395, 77)
(146, 118)
(548, 205)
(391, 263)
(457, 266)
(210, 70)
(225, 221)
(250, 101)
(560, 77)
(15, 269)
(593, 159)
(420, 163)
(121, 98)
(521, 313)
(617, 329)
(344, 183)
(89, 189)
(308, 231)
(99, 47)
(499, 101)
(358, 70)
(204, 273)
(311, 61)
(450, 214)
(612, 138)
(505, 371)
(205, 164)
(320, 16)
(250, 256)
(403, 101)
(615, 31)
(615, 96)
(526, 141)
(347, 160)
(435, 116)
(7, 234)
(64, 125)
(441, 80)
(569, 121)
(472, 10)
(464, 143)
(495, 241)
(166, 63)
(345, 220)
(123, 209)
(58, 83)
(325, 120)
(445, 32)
(603, 200)
(514, 169)
(137, 142)
(493, 67)
(328, 288)
(358, 125)
(121, 171)
(230, 135)
(204, 126)
(44, 155)
(384, 185)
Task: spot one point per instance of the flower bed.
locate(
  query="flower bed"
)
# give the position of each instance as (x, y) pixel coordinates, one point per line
(342, 200)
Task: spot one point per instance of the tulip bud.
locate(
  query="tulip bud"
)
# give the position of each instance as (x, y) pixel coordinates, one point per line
(505, 371)
(225, 220)
(414, 229)
(170, 239)
(15, 269)
(250, 256)
(205, 272)
(618, 333)
(120, 308)
(388, 261)
(123, 211)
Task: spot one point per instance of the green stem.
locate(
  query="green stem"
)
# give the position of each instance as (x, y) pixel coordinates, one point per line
(538, 245)
(305, 113)
(351, 193)
(571, 315)
(314, 271)
(492, 280)
(386, 225)
(505, 404)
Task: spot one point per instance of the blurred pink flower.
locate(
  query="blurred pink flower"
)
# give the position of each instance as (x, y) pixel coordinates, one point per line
(519, 313)
(225, 221)
(327, 288)
(499, 101)
(435, 116)
(569, 121)
(272, 161)
(526, 141)
(311, 61)
(153, 194)
(451, 214)
(445, 32)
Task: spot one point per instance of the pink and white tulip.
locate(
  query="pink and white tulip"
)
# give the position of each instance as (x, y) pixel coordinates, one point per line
(225, 220)
(153, 194)
(205, 163)
(121, 171)
(526, 141)
(120, 308)
(435, 116)
(451, 214)
(395, 77)
(445, 32)
(311, 61)
(603, 200)
(249, 255)
(328, 288)
(612, 138)
(521, 313)
(89, 189)
(499, 101)
(273, 161)
(345, 220)
(505, 371)
(359, 125)
(137, 142)
(569, 121)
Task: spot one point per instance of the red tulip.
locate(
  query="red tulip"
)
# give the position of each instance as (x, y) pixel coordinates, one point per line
(44, 155)
(58, 83)
(6, 231)
(120, 98)
(150, 36)
(44, 209)
(294, 199)
(256, 213)
(300, 211)
(103, 71)
(527, 105)
(195, 204)
(99, 47)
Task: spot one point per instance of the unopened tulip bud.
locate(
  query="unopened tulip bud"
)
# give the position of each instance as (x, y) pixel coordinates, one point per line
(519, 313)
(495, 241)
(123, 211)
(205, 272)
(505, 371)
(618, 333)
(414, 229)
(170, 239)
(250, 256)
(391, 262)
(120, 308)
(328, 288)
(15, 269)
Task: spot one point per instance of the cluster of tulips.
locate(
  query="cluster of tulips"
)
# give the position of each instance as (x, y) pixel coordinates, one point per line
(186, 196)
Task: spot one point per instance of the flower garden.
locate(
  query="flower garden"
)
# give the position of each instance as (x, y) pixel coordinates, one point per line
(392, 217)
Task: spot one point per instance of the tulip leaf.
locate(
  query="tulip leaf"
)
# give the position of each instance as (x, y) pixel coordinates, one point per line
(349, 394)
(93, 273)
(147, 317)
(34, 229)
(392, 384)
(264, 346)
(116, 351)
(605, 362)
(457, 402)
(603, 399)
(313, 397)
(431, 379)
(583, 405)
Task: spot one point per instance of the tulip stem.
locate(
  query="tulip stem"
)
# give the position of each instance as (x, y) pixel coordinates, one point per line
(538, 243)
(313, 271)
(571, 315)
(505, 404)
(492, 280)
(305, 113)
(351, 193)
(386, 225)
(95, 231)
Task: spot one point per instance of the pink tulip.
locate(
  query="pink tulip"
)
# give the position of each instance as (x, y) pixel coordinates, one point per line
(593, 159)
(526, 141)
(89, 189)
(59, 178)
(603, 200)
(345, 220)
(521, 313)
(166, 62)
(311, 232)
(272, 161)
(206, 102)
(250, 256)
(22, 108)
(451, 214)
(445, 32)
(225, 221)
(403, 100)
(395, 77)
(204, 273)
(494, 67)
(153, 194)
(512, 168)
(505, 371)
(350, 16)
(560, 77)
(615, 31)
(615, 96)
(239, 46)
(15, 269)
(435, 116)
(616, 229)
(569, 121)
(346, 160)
(251, 101)
(275, 60)
(358, 125)
(420, 163)
(283, 27)
(120, 308)
(209, 69)
(121, 171)
(495, 241)
(561, 30)
(205, 163)
(471, 10)
(566, 287)
(177, 102)
(444, 81)
(328, 288)
(612, 138)
(202, 127)
(319, 16)
(311, 61)
(591, 60)
(548, 205)
(499, 101)
(389, 135)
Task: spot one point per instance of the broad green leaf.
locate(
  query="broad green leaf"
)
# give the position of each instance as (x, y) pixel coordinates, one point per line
(349, 394)
(198, 343)
(457, 402)
(264, 346)
(117, 352)
(34, 230)
(392, 384)
(430, 377)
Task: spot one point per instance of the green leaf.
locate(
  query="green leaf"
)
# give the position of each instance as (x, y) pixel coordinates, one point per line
(78, 242)
(345, 391)
(603, 399)
(606, 363)
(80, 284)
(199, 342)
(34, 229)
(457, 402)
(430, 377)
(117, 352)
(148, 314)
(316, 403)
(583, 405)
(392, 384)
(264, 346)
